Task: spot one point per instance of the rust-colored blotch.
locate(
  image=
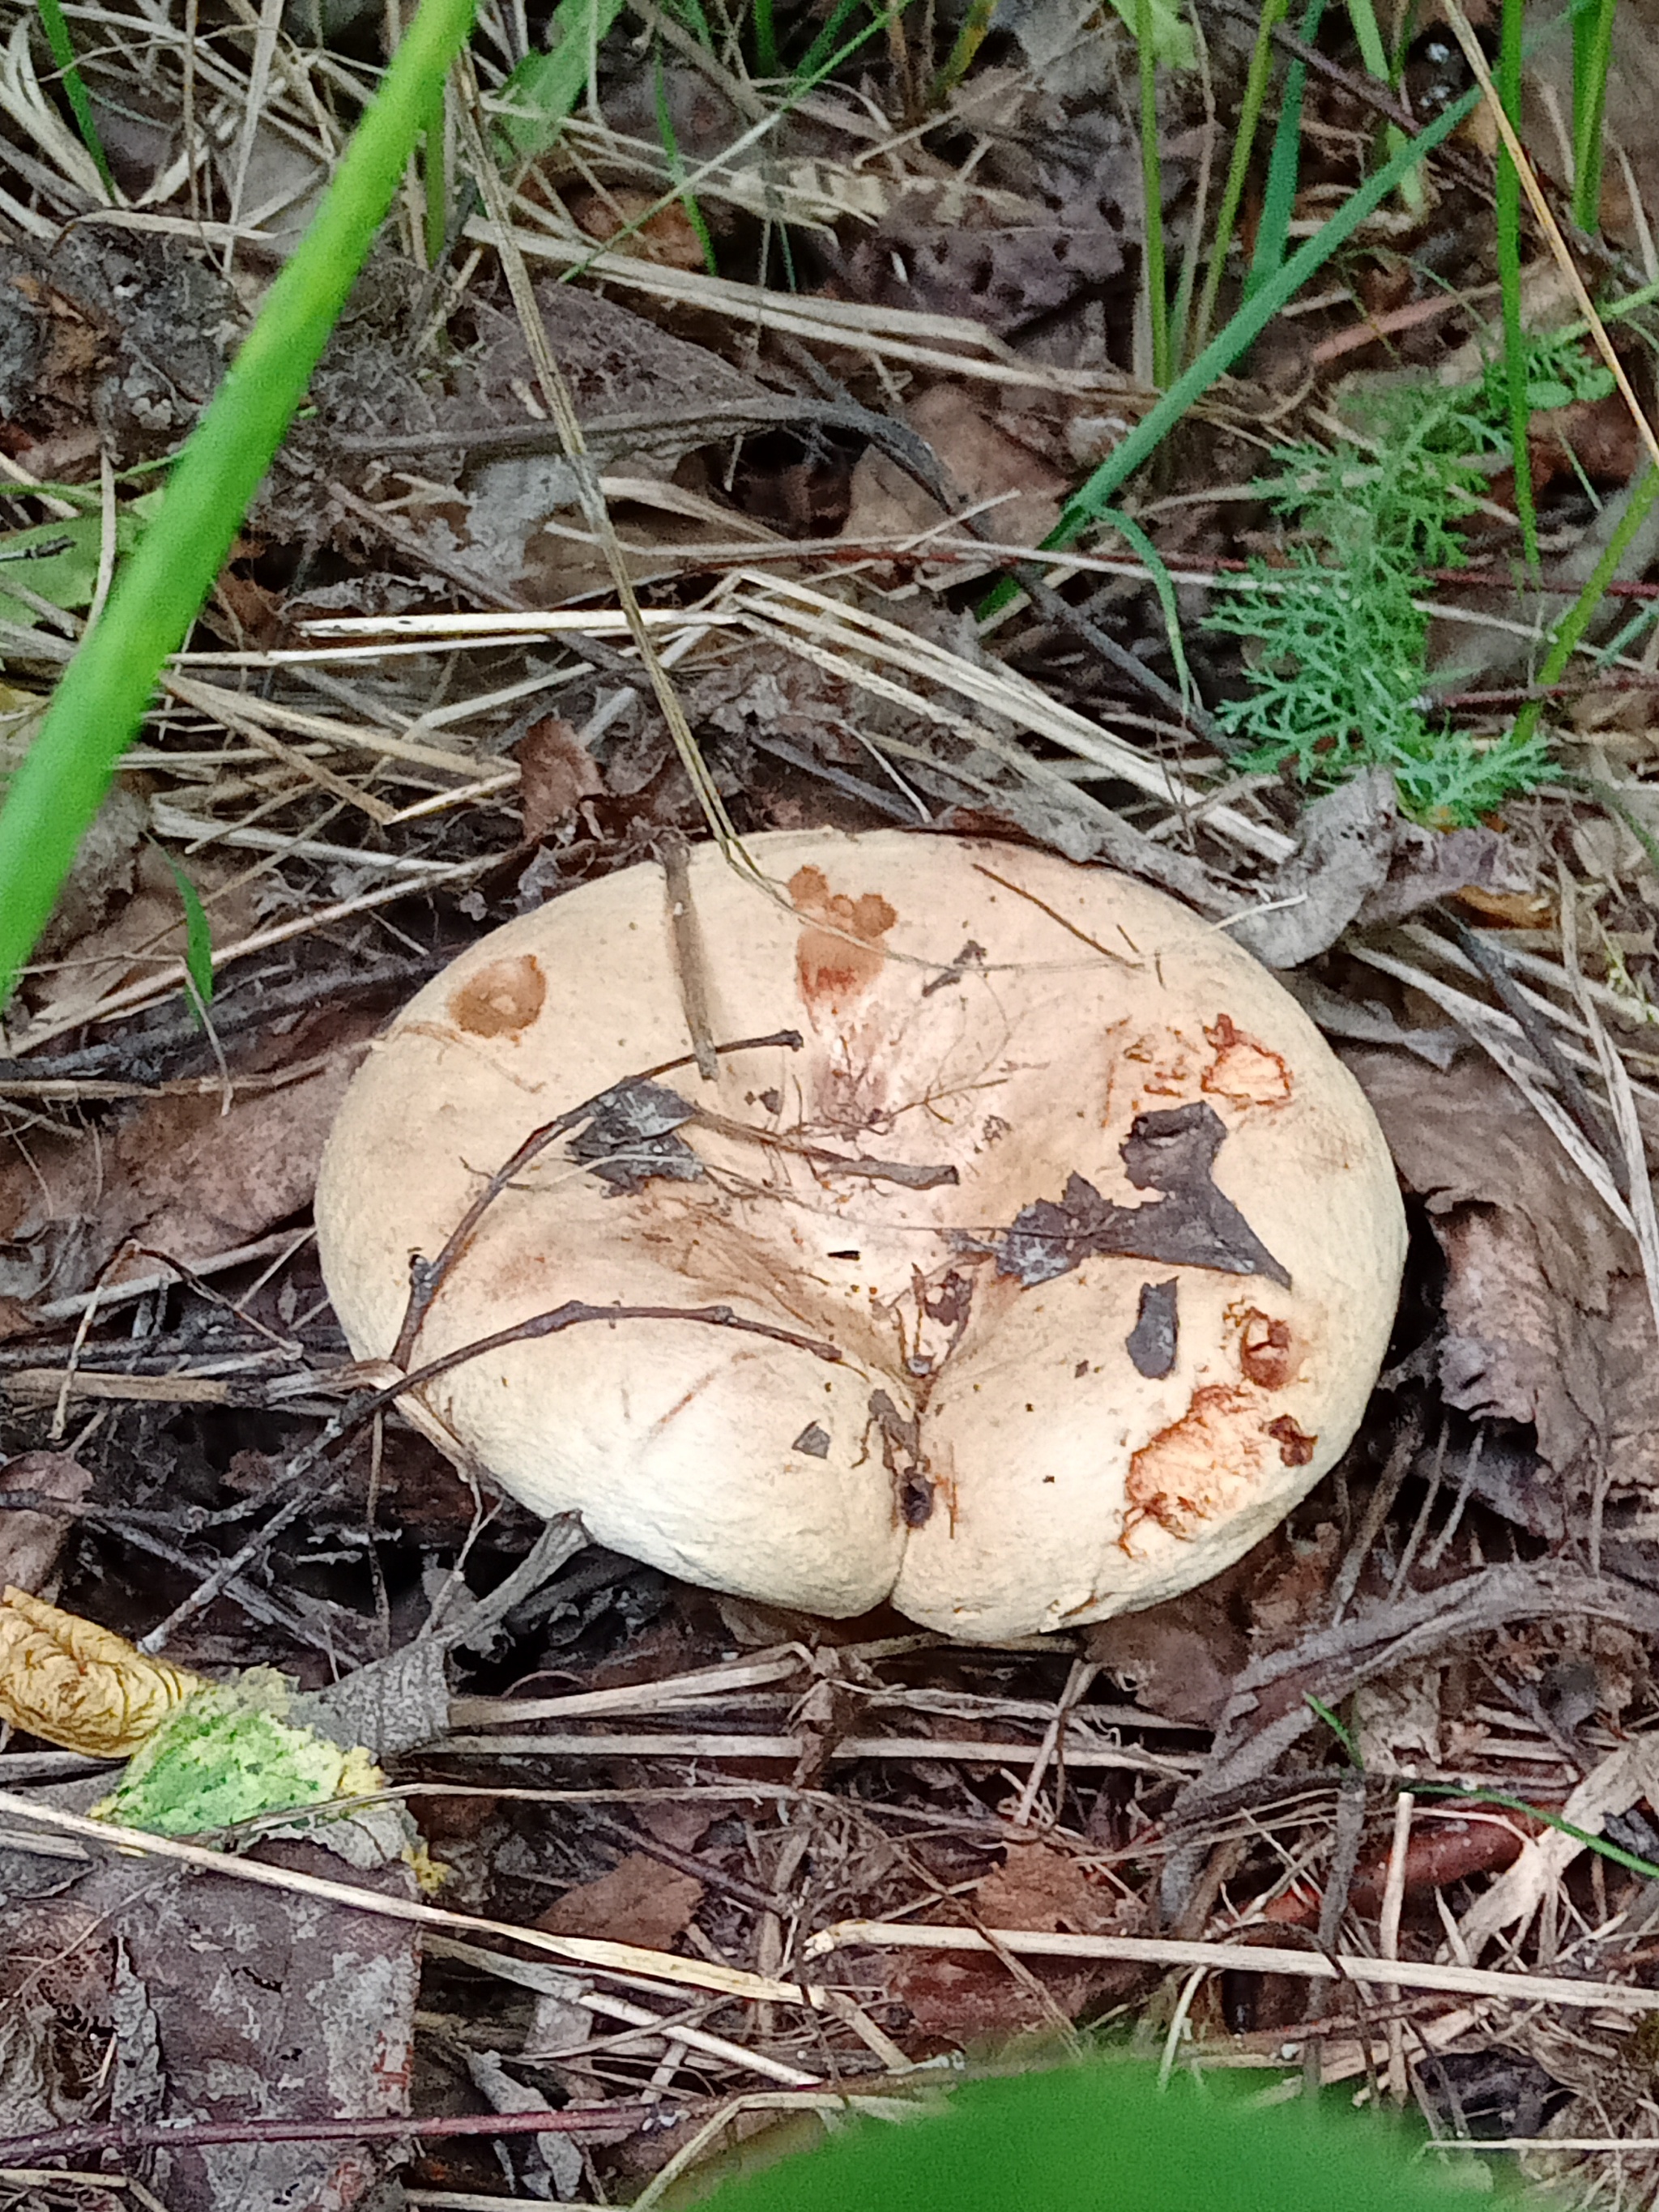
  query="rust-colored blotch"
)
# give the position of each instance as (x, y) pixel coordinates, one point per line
(1196, 1467)
(842, 958)
(1243, 1072)
(1264, 1350)
(1295, 1446)
(501, 1000)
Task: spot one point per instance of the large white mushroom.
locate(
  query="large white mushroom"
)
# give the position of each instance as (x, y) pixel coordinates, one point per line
(1036, 1285)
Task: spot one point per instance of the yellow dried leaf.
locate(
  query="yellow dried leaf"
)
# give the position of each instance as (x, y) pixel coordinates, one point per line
(77, 1685)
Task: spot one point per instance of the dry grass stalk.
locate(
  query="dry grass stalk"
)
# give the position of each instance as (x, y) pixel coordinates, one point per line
(1242, 1958)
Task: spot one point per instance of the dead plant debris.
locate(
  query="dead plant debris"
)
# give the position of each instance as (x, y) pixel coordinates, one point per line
(1378, 1804)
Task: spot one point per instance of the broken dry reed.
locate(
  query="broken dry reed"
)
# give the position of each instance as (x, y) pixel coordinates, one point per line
(1080, 1753)
(591, 1952)
(1239, 1958)
(347, 2127)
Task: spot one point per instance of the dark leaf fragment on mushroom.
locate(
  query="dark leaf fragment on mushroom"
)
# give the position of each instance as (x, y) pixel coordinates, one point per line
(630, 1138)
(1192, 1225)
(1150, 1344)
(901, 1454)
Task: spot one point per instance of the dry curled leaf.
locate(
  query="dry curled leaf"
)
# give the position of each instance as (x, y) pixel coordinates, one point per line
(556, 772)
(79, 1685)
(31, 1544)
(967, 2000)
(639, 1901)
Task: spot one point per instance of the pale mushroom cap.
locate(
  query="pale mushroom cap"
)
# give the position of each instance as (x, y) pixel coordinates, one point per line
(989, 1452)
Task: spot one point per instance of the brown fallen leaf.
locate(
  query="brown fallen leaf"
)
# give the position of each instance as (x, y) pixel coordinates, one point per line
(1285, 1582)
(77, 1685)
(668, 236)
(967, 1999)
(1180, 1659)
(176, 1174)
(32, 1543)
(1002, 263)
(682, 1826)
(1546, 1315)
(639, 1901)
(556, 772)
(1595, 436)
(984, 461)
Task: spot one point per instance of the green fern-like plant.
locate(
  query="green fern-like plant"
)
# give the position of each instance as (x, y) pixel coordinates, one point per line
(1337, 677)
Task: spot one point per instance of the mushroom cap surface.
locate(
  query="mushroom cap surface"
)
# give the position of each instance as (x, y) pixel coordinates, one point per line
(1107, 1240)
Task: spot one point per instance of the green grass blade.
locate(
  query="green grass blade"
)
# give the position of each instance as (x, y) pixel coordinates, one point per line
(1152, 188)
(1274, 233)
(198, 942)
(691, 16)
(1239, 168)
(670, 147)
(1509, 278)
(1600, 1844)
(1338, 1729)
(1369, 37)
(1577, 619)
(1180, 314)
(1238, 335)
(824, 45)
(1163, 584)
(74, 87)
(1172, 41)
(968, 40)
(545, 88)
(799, 85)
(100, 701)
(766, 38)
(1592, 55)
(434, 182)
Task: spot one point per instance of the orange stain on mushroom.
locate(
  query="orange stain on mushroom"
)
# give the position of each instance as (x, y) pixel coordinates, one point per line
(1243, 1072)
(1295, 1446)
(501, 1000)
(1264, 1350)
(842, 959)
(1198, 1467)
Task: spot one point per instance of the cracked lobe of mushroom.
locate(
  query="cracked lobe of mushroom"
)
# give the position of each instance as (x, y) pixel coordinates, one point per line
(999, 1447)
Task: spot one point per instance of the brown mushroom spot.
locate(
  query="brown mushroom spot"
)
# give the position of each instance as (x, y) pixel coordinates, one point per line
(1199, 1467)
(1167, 1059)
(1264, 1350)
(1296, 1447)
(1243, 1072)
(501, 1000)
(842, 956)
